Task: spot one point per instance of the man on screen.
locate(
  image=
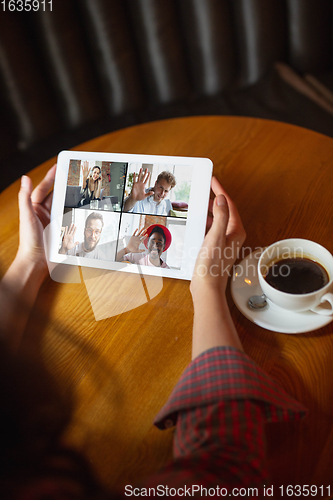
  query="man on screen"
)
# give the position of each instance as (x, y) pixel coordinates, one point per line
(157, 239)
(92, 233)
(151, 200)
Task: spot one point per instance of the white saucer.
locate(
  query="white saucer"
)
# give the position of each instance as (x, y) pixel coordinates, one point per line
(245, 283)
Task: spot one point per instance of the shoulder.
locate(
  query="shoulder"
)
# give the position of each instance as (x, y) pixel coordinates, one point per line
(165, 206)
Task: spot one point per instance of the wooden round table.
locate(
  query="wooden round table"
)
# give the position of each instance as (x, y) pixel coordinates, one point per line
(119, 371)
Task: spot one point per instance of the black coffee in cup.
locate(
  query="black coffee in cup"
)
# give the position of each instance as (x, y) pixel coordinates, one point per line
(297, 275)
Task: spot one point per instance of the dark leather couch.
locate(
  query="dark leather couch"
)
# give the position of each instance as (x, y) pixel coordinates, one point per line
(93, 66)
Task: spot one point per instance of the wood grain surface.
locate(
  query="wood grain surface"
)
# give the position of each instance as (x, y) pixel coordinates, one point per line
(118, 372)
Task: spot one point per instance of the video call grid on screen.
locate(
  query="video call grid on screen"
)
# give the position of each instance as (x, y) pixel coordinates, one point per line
(94, 216)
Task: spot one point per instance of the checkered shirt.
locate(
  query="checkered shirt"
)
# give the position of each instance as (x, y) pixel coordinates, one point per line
(219, 407)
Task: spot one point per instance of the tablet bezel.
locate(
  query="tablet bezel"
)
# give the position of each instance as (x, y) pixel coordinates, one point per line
(196, 216)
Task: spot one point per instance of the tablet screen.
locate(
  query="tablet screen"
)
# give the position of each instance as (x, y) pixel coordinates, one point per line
(132, 213)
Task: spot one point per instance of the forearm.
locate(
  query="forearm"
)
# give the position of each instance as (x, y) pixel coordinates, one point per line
(129, 204)
(212, 325)
(18, 291)
(84, 181)
(121, 254)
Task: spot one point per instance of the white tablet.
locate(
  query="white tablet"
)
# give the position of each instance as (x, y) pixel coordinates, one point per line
(132, 213)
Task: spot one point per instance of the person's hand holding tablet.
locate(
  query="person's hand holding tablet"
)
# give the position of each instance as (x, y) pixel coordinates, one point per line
(213, 325)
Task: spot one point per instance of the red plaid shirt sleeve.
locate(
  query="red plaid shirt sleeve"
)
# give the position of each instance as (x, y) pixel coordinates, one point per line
(219, 407)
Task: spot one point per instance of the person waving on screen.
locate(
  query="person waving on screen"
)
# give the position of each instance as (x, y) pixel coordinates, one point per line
(91, 184)
(151, 200)
(156, 238)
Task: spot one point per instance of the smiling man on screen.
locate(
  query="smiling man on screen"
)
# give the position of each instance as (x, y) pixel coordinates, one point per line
(152, 200)
(92, 233)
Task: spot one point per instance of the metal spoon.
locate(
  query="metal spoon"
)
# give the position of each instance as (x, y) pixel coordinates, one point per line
(257, 302)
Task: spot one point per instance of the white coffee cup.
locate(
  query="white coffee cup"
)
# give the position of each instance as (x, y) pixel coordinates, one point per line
(319, 301)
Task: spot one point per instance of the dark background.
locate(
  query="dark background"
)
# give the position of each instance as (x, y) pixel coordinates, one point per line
(93, 66)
